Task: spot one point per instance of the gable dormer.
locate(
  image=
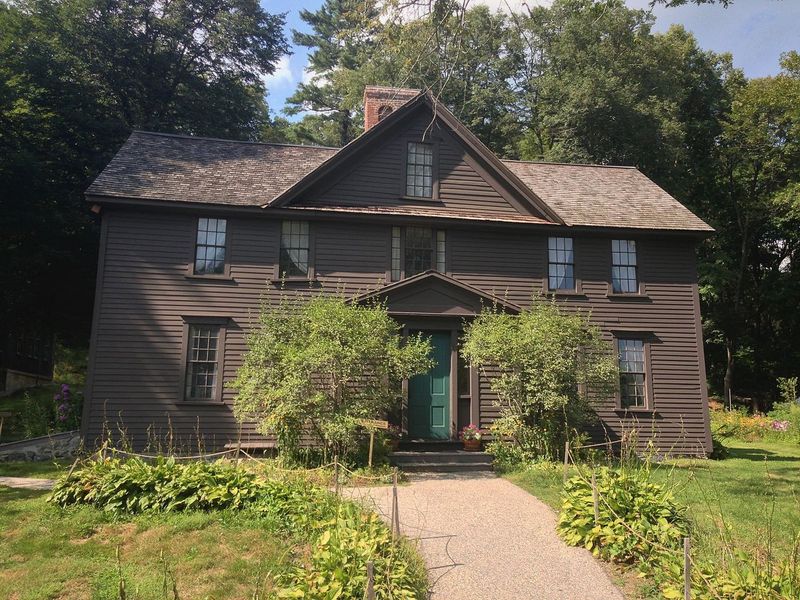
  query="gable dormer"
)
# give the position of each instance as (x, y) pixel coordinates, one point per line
(415, 155)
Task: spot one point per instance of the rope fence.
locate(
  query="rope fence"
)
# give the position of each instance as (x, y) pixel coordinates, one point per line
(685, 554)
(338, 468)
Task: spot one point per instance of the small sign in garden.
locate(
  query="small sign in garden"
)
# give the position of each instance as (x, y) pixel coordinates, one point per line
(371, 425)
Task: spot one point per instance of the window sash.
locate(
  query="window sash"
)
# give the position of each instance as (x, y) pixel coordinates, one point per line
(295, 249)
(632, 373)
(624, 276)
(209, 256)
(202, 362)
(419, 170)
(561, 264)
(417, 249)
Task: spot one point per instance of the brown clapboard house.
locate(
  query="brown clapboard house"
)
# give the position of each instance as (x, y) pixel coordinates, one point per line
(197, 232)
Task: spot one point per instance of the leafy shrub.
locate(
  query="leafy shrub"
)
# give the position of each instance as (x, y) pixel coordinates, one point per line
(641, 523)
(635, 515)
(336, 567)
(548, 367)
(343, 537)
(135, 486)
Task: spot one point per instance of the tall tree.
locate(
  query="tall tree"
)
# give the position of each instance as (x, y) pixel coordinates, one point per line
(75, 77)
(751, 286)
(341, 41)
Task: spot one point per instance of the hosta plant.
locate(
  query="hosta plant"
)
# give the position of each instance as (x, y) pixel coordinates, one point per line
(636, 517)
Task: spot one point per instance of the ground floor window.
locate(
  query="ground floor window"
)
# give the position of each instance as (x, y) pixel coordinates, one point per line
(632, 373)
(204, 343)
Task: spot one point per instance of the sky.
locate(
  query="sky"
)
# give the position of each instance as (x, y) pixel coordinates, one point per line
(756, 32)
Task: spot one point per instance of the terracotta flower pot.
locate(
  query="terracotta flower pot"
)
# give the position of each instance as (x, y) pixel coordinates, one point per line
(472, 445)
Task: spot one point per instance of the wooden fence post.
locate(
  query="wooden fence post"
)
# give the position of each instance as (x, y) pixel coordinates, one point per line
(687, 570)
(370, 580)
(395, 511)
(566, 460)
(595, 498)
(371, 444)
(336, 474)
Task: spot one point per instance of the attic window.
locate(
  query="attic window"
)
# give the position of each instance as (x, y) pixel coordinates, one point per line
(419, 170)
(384, 111)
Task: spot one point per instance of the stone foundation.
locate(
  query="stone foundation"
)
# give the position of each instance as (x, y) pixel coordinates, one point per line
(48, 447)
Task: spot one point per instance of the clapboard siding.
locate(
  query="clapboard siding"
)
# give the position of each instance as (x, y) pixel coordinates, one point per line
(144, 294)
(377, 179)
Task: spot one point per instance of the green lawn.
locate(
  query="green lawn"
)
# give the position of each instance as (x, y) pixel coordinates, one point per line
(748, 501)
(37, 470)
(46, 552)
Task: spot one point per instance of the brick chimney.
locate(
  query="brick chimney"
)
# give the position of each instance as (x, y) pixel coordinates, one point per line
(381, 101)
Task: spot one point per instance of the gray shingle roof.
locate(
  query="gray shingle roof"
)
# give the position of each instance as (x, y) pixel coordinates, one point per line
(605, 196)
(192, 169)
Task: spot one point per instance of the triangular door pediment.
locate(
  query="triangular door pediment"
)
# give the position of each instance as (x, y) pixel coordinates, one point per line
(432, 293)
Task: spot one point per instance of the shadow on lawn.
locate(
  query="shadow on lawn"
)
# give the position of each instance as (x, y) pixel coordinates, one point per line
(760, 455)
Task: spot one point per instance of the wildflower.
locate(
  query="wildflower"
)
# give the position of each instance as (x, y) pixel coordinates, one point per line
(780, 425)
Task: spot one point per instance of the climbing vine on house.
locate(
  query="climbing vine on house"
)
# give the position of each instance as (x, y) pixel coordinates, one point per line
(320, 366)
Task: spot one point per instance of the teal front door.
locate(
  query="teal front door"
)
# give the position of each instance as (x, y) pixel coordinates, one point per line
(429, 394)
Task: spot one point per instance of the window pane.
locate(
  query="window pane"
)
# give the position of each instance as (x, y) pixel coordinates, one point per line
(623, 270)
(419, 170)
(418, 250)
(441, 263)
(202, 361)
(561, 264)
(209, 255)
(396, 254)
(294, 253)
(632, 372)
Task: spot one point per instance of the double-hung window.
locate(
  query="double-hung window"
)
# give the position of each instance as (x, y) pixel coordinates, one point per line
(204, 347)
(419, 170)
(417, 249)
(624, 279)
(295, 252)
(632, 373)
(561, 264)
(209, 255)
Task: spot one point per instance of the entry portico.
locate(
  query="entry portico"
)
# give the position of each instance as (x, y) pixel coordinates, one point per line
(439, 403)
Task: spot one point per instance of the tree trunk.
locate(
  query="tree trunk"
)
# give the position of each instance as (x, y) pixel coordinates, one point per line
(728, 382)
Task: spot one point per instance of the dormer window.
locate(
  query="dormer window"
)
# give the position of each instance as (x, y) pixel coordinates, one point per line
(419, 170)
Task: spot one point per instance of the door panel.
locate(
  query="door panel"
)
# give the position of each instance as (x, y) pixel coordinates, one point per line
(429, 394)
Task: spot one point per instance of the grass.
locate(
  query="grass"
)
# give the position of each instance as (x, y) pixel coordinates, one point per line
(47, 552)
(70, 367)
(35, 470)
(749, 501)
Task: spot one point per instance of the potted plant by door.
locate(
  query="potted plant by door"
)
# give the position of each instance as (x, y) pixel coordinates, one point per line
(471, 436)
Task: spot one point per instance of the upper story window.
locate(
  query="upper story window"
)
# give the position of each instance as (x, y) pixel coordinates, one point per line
(624, 278)
(417, 249)
(632, 373)
(419, 170)
(295, 249)
(202, 362)
(561, 264)
(209, 256)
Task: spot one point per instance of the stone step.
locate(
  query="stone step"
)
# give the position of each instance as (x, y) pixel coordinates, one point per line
(429, 445)
(450, 456)
(446, 467)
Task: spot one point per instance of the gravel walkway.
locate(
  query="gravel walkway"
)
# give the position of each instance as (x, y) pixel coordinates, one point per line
(27, 483)
(484, 538)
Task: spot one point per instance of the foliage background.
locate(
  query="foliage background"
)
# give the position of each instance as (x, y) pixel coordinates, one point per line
(576, 81)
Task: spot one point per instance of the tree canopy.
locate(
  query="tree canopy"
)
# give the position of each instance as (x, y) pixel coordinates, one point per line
(76, 76)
